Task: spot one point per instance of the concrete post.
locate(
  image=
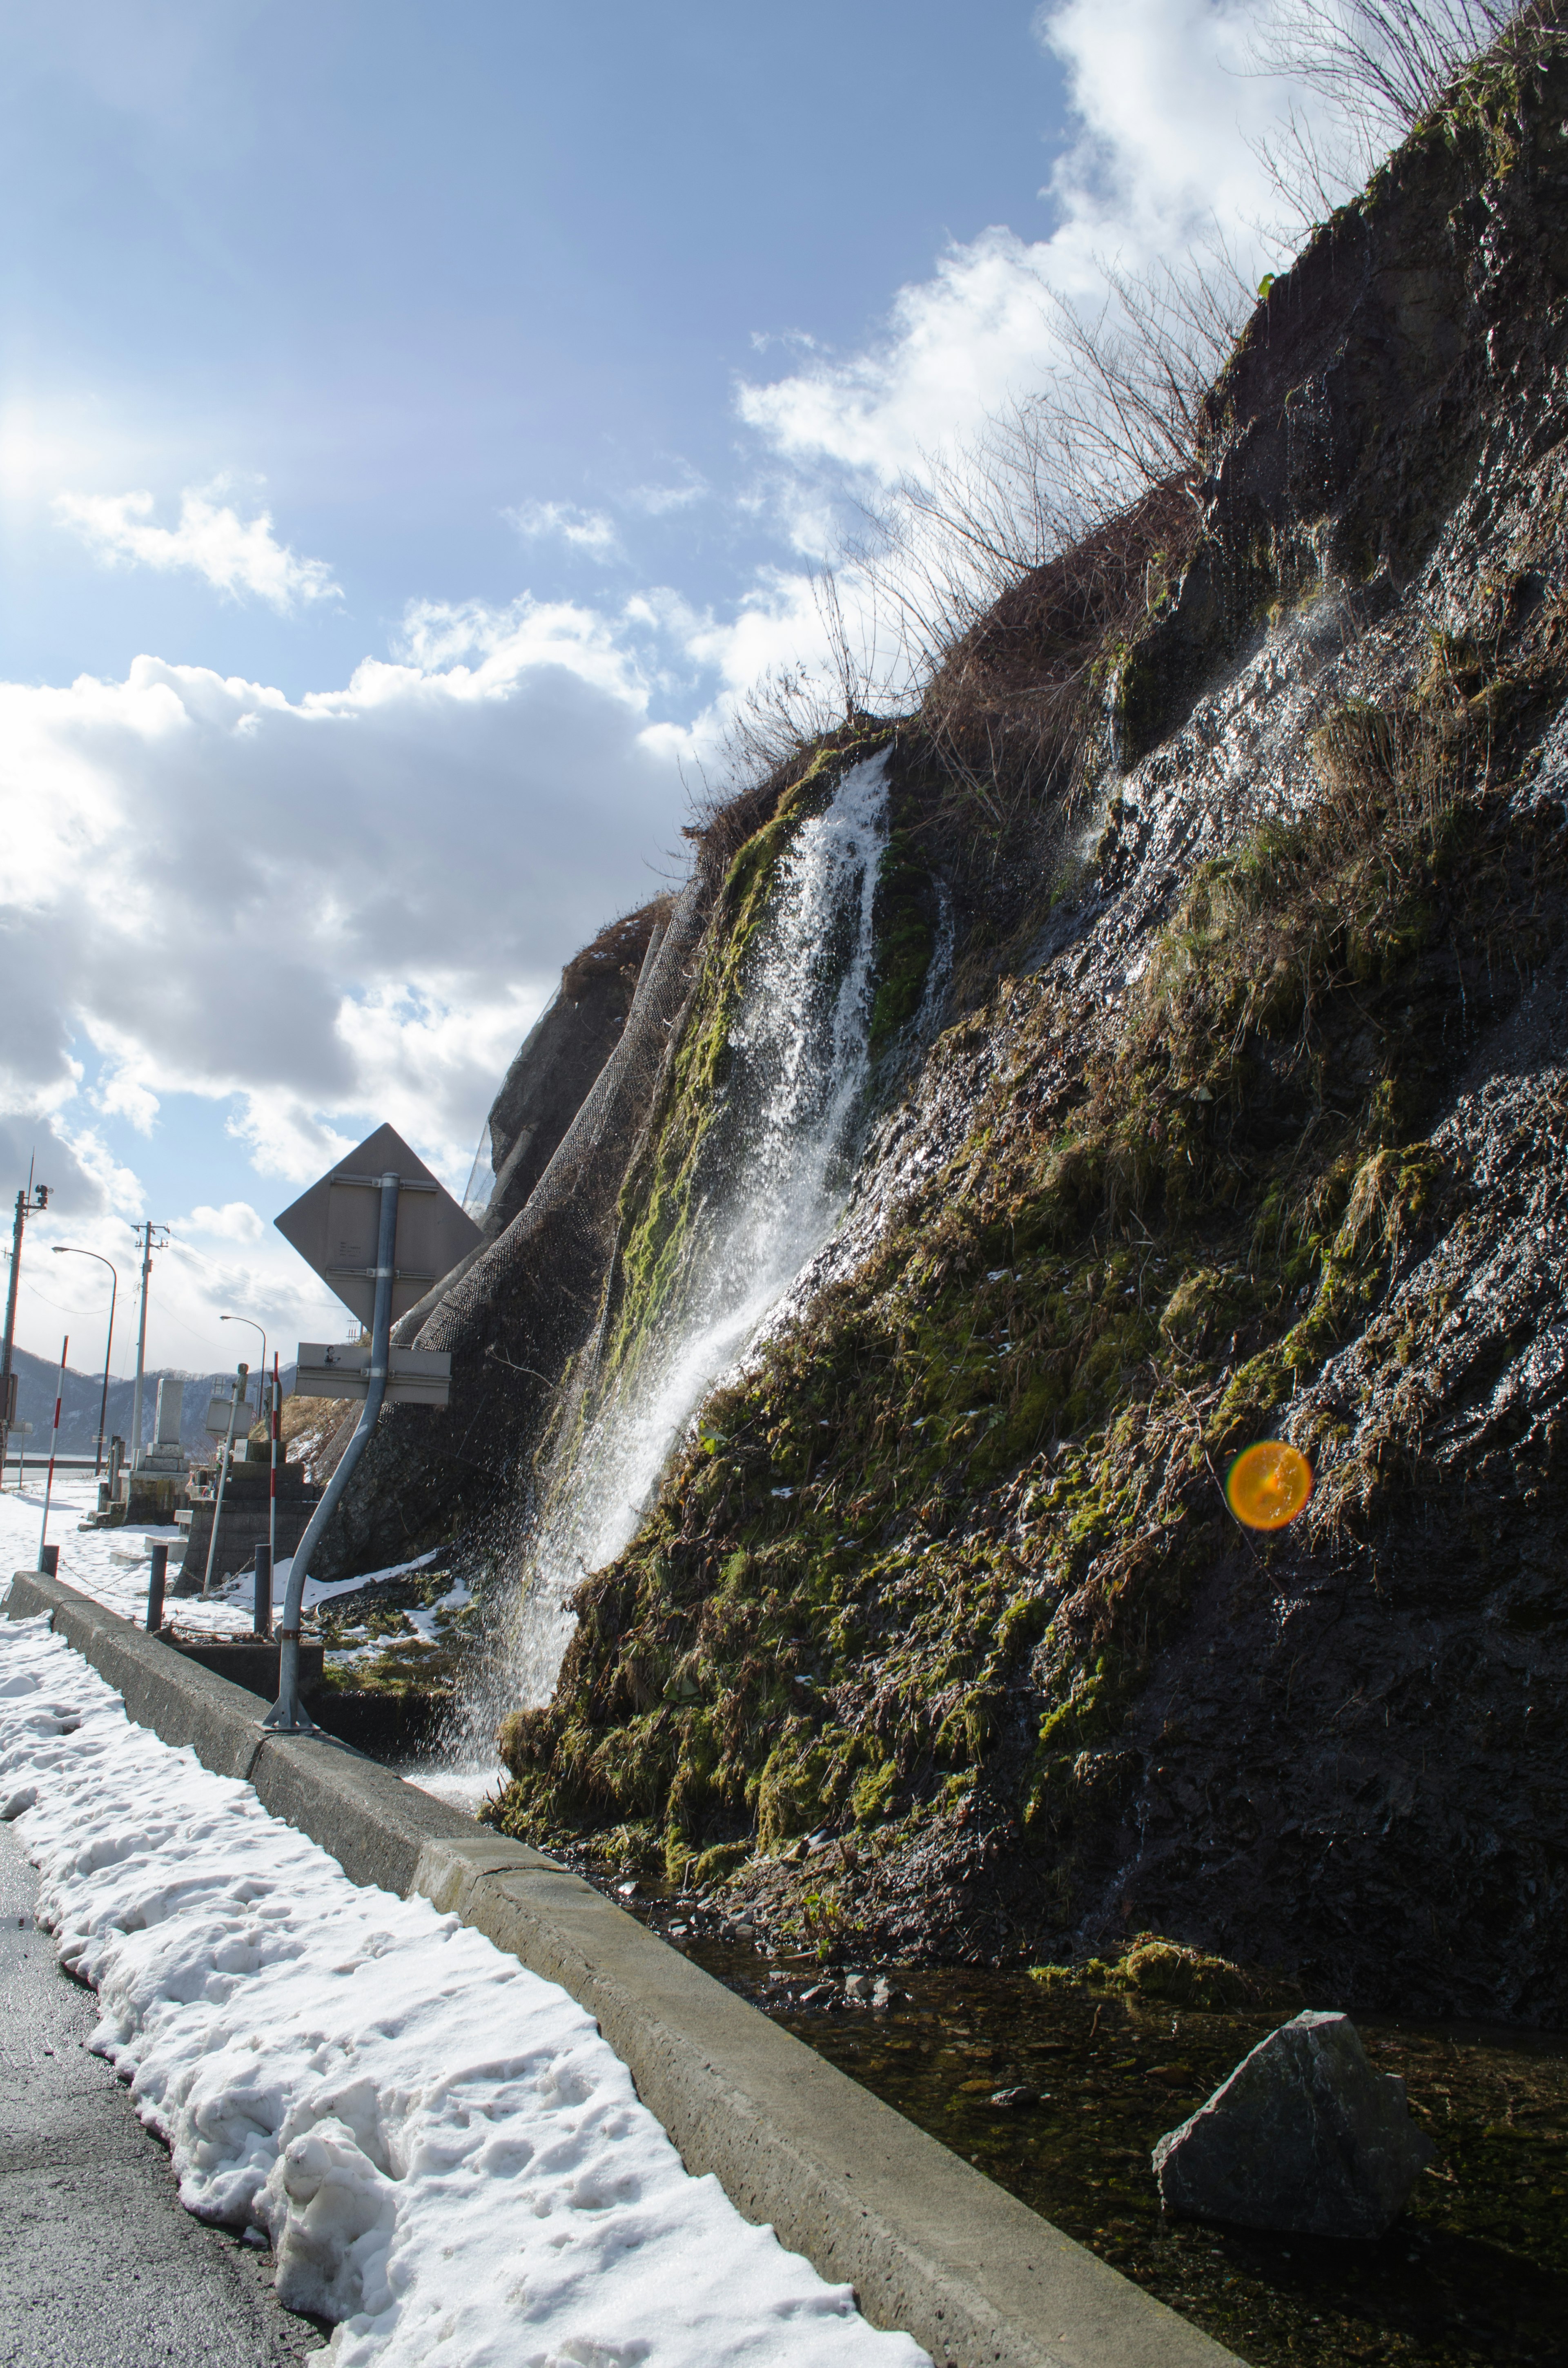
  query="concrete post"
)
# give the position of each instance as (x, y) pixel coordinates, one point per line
(156, 1579)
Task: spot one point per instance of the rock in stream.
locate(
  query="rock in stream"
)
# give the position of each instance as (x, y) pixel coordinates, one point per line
(1304, 2137)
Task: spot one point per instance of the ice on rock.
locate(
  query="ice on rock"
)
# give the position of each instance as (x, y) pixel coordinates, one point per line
(449, 2160)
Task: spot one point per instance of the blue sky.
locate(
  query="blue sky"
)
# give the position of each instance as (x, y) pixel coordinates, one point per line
(416, 268)
(416, 429)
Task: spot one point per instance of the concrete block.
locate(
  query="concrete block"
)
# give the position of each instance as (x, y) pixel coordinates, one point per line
(374, 1824)
(252, 1664)
(450, 1870)
(926, 2241)
(171, 1409)
(176, 1698)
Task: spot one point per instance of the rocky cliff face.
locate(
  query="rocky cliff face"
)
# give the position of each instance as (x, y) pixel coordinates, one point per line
(1247, 1120)
(424, 1475)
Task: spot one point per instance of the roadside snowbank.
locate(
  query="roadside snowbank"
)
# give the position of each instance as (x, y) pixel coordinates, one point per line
(449, 2158)
(112, 1566)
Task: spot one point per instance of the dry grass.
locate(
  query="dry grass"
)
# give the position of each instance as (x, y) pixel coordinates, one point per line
(1007, 709)
(620, 945)
(313, 1431)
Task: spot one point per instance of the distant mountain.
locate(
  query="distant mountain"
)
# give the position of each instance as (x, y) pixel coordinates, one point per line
(36, 1379)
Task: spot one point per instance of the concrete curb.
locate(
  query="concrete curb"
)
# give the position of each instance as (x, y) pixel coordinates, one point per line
(929, 2244)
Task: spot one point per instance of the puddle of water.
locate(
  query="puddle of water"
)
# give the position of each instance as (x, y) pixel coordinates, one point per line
(1476, 2269)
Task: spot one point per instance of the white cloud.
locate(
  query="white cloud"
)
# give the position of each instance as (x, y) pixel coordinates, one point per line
(237, 555)
(1166, 113)
(236, 1221)
(658, 501)
(953, 346)
(589, 531)
(313, 913)
(119, 1094)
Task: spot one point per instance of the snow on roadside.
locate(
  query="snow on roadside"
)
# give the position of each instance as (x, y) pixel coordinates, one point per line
(449, 2160)
(112, 1566)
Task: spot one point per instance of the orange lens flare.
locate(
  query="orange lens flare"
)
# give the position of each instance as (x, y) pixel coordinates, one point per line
(1267, 1485)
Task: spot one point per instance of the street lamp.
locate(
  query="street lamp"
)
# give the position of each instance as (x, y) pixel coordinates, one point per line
(254, 1327)
(272, 1475)
(69, 1249)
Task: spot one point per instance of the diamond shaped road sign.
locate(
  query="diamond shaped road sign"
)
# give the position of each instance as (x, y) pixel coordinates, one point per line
(334, 1226)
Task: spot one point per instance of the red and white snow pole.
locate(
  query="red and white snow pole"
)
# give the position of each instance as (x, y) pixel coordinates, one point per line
(53, 1443)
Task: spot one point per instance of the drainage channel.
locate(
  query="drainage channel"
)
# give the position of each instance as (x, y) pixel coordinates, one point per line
(1059, 2096)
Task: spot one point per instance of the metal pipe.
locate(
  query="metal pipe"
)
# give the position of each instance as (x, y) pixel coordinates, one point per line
(287, 1715)
(18, 1223)
(69, 1249)
(53, 1443)
(261, 1610)
(272, 1488)
(235, 1402)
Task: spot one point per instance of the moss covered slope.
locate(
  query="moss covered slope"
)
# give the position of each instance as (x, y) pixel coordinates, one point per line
(941, 1630)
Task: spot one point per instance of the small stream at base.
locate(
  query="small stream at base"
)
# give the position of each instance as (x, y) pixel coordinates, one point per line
(1474, 2271)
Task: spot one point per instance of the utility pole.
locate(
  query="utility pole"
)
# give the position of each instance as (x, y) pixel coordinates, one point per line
(146, 1245)
(30, 1198)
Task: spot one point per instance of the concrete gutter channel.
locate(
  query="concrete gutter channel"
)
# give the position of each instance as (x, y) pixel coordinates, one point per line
(929, 2244)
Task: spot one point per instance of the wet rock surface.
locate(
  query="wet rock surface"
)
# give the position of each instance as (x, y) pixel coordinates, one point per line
(1246, 1120)
(1304, 2137)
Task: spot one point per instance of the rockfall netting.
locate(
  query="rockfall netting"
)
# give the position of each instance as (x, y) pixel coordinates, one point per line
(569, 1214)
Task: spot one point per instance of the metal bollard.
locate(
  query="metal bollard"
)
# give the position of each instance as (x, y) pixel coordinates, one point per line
(48, 1561)
(261, 1619)
(155, 1579)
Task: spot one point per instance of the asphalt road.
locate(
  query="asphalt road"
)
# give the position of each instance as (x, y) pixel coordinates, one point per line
(99, 2265)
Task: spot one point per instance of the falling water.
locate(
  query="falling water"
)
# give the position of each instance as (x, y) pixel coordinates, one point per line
(780, 1160)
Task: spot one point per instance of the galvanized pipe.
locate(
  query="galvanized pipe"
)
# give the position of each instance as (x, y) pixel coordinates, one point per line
(53, 1445)
(235, 1402)
(287, 1715)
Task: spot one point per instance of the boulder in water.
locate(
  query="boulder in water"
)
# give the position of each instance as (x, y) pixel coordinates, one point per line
(1303, 2137)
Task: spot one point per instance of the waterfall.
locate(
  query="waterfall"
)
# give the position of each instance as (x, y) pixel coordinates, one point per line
(776, 1172)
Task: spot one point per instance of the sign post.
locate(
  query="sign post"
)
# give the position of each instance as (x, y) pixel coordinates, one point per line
(238, 1400)
(53, 1443)
(420, 1235)
(272, 1491)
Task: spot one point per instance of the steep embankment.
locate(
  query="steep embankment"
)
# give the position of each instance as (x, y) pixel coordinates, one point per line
(1249, 1121)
